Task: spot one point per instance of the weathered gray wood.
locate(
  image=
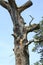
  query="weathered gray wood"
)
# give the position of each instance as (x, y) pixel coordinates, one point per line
(20, 31)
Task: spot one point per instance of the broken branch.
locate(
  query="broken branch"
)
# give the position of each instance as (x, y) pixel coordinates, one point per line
(14, 35)
(25, 6)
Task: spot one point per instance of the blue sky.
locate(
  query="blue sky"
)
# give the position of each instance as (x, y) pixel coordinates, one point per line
(6, 40)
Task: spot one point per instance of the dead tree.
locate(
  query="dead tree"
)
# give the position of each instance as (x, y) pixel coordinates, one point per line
(20, 31)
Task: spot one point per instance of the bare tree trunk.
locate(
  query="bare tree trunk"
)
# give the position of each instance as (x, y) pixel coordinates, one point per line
(20, 31)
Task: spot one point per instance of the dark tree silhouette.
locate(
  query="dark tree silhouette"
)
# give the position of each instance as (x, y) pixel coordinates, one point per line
(20, 30)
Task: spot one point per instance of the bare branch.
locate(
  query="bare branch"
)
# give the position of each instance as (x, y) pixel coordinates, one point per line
(38, 40)
(34, 40)
(5, 4)
(25, 6)
(31, 20)
(29, 42)
(32, 27)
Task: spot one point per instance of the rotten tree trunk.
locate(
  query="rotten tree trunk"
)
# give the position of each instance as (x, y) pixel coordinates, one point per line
(20, 31)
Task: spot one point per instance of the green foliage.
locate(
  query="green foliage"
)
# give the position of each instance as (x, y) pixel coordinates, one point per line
(38, 63)
(39, 46)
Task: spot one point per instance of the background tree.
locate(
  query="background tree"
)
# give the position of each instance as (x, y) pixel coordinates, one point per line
(20, 31)
(39, 45)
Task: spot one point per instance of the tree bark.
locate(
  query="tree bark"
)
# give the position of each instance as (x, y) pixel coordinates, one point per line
(20, 30)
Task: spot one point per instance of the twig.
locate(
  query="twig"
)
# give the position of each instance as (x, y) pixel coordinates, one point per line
(31, 20)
